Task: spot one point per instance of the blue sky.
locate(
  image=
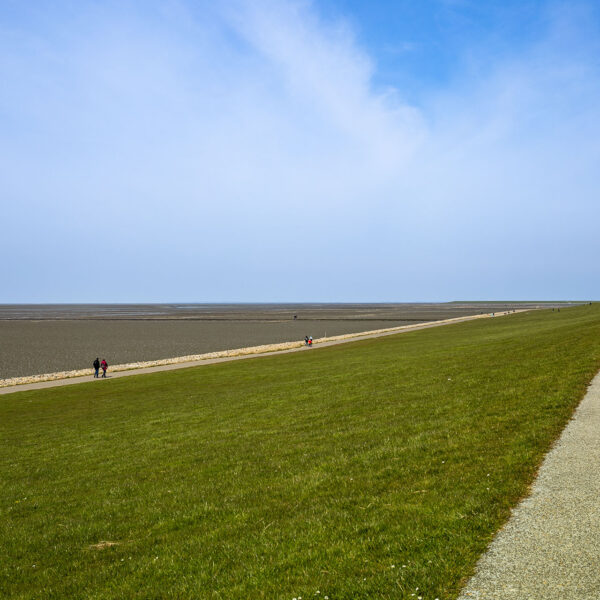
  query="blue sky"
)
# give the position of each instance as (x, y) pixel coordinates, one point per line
(335, 150)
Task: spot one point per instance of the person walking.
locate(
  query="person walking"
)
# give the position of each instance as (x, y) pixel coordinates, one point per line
(96, 367)
(104, 366)
(306, 340)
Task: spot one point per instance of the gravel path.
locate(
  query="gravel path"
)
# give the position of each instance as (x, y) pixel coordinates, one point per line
(20, 384)
(550, 547)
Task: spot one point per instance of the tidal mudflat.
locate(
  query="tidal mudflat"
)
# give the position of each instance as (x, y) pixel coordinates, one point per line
(36, 339)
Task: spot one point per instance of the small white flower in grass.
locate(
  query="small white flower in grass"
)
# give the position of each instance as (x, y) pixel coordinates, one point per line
(393, 566)
(404, 566)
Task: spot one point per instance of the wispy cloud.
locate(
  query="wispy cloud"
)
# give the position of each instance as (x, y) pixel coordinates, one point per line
(239, 151)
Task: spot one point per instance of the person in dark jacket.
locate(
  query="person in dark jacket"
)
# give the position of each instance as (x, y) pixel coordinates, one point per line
(96, 367)
(104, 366)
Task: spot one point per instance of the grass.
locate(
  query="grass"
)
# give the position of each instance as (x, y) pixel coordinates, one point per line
(365, 470)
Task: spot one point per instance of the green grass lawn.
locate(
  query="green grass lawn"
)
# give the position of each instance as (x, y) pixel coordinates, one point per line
(365, 470)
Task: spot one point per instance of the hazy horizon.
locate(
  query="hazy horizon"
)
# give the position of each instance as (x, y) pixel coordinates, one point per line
(299, 303)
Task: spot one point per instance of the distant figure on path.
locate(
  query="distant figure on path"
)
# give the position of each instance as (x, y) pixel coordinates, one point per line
(104, 366)
(310, 340)
(306, 340)
(96, 367)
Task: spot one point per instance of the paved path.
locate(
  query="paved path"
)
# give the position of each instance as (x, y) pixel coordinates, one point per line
(246, 353)
(550, 547)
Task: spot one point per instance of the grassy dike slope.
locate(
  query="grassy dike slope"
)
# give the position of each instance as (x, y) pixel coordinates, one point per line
(365, 470)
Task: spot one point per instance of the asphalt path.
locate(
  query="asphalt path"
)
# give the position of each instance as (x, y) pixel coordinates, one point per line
(550, 547)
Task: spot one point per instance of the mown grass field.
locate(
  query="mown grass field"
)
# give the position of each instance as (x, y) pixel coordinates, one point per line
(365, 470)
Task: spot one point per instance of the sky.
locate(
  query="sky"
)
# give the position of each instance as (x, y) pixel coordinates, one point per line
(298, 151)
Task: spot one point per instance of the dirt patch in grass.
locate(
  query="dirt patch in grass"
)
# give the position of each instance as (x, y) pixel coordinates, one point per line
(104, 544)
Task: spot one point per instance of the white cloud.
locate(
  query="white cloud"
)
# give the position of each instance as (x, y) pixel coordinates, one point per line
(251, 141)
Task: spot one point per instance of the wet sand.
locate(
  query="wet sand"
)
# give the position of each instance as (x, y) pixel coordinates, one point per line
(38, 339)
(32, 382)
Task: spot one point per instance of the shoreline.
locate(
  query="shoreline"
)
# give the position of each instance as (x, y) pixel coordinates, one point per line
(15, 384)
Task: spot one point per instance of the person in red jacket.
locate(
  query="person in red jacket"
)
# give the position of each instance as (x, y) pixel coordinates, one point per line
(104, 366)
